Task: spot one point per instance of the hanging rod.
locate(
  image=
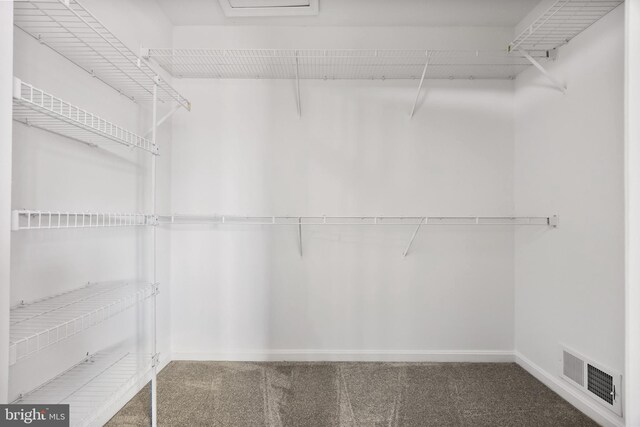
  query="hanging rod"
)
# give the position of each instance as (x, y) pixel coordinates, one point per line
(551, 221)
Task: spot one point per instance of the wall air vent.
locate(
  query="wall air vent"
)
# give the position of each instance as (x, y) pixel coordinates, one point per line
(601, 384)
(249, 8)
(573, 368)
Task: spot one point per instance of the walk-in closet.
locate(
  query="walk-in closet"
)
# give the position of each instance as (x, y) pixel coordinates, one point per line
(320, 213)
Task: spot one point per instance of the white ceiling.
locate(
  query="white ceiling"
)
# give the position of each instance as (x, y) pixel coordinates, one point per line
(505, 13)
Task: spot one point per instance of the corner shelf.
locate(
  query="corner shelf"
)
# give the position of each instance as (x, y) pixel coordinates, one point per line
(37, 325)
(71, 30)
(564, 20)
(92, 386)
(338, 64)
(37, 108)
(36, 220)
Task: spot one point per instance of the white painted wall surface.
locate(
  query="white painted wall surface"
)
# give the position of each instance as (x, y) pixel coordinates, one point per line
(6, 90)
(569, 159)
(245, 292)
(54, 173)
(632, 296)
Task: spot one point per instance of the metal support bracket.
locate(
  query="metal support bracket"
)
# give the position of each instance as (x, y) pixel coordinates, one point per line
(163, 119)
(155, 360)
(300, 236)
(153, 220)
(298, 105)
(155, 288)
(560, 86)
(413, 237)
(554, 221)
(424, 73)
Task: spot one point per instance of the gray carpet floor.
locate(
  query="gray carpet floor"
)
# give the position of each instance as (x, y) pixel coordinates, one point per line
(350, 395)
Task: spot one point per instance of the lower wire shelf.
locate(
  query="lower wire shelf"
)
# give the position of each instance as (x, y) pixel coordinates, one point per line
(37, 325)
(92, 386)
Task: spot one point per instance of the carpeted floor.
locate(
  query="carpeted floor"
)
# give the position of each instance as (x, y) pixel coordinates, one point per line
(349, 395)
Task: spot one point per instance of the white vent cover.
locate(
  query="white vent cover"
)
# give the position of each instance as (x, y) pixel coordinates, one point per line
(248, 8)
(601, 384)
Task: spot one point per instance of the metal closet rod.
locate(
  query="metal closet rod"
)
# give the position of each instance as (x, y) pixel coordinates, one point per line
(551, 221)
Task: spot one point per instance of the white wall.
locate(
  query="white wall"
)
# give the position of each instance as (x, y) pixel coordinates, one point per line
(54, 173)
(569, 159)
(632, 181)
(246, 293)
(6, 90)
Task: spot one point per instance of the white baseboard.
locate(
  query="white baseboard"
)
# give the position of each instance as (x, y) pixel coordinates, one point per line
(570, 394)
(353, 356)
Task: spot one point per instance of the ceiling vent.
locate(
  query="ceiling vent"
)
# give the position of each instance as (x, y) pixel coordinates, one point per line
(601, 384)
(249, 8)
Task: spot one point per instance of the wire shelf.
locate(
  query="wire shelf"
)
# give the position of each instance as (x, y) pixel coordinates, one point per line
(72, 31)
(93, 385)
(36, 220)
(338, 64)
(564, 20)
(358, 220)
(37, 325)
(35, 107)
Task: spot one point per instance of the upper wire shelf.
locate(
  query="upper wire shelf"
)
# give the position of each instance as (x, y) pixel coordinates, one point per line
(72, 31)
(564, 20)
(37, 325)
(359, 220)
(338, 64)
(38, 108)
(92, 386)
(36, 220)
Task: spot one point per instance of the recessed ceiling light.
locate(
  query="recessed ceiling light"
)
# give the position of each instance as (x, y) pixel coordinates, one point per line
(233, 8)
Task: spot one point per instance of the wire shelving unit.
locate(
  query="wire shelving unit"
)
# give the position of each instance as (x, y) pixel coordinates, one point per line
(71, 30)
(40, 324)
(36, 220)
(93, 385)
(35, 107)
(338, 63)
(564, 20)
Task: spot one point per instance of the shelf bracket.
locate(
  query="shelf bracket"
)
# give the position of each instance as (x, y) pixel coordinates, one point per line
(163, 119)
(300, 236)
(424, 73)
(155, 360)
(413, 237)
(298, 105)
(560, 86)
(553, 221)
